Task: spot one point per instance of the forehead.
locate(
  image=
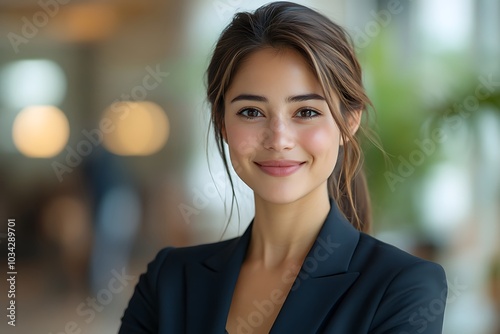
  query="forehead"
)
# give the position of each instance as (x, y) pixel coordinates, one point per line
(271, 70)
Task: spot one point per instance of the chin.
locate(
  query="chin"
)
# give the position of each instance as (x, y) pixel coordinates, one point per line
(279, 196)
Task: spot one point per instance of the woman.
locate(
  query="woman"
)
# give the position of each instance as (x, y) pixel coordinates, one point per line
(286, 95)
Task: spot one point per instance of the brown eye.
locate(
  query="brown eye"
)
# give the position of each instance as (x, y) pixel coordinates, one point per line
(307, 113)
(250, 113)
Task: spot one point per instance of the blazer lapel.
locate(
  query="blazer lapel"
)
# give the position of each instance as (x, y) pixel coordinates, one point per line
(321, 282)
(323, 278)
(210, 286)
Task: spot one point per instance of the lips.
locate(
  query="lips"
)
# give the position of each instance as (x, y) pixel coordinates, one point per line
(279, 167)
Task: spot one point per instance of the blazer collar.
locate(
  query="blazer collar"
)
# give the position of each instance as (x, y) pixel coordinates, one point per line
(322, 280)
(337, 237)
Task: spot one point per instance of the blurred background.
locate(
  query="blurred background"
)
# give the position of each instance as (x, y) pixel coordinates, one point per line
(104, 157)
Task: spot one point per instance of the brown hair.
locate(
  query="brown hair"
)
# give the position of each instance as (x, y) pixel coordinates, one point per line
(329, 51)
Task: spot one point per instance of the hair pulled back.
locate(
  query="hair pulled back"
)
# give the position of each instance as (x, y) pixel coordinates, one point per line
(328, 50)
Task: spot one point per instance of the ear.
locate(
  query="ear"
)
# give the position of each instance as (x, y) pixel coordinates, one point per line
(353, 123)
(223, 132)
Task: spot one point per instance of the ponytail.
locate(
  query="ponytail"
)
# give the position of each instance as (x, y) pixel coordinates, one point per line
(352, 199)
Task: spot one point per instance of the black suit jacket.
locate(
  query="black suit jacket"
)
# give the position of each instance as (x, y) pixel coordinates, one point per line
(350, 283)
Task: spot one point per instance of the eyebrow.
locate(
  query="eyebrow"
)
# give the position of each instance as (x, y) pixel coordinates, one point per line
(290, 99)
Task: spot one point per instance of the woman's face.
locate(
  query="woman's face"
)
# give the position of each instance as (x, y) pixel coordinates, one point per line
(282, 138)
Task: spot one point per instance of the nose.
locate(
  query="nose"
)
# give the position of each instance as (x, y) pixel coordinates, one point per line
(278, 135)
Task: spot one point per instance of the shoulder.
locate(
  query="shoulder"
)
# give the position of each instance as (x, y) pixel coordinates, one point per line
(411, 291)
(371, 252)
(180, 256)
(168, 267)
(389, 266)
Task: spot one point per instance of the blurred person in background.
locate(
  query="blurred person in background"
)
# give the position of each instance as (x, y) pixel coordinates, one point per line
(117, 215)
(287, 98)
(65, 224)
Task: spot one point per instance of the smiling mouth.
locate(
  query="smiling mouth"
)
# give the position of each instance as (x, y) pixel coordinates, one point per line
(280, 167)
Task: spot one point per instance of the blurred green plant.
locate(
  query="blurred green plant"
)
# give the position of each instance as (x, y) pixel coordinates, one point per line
(414, 92)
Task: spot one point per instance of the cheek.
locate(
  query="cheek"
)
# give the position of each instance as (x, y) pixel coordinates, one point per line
(322, 142)
(242, 140)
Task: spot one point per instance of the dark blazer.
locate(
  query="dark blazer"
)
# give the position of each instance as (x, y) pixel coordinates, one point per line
(350, 283)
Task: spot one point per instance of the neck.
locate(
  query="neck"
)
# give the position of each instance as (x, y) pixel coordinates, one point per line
(284, 233)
